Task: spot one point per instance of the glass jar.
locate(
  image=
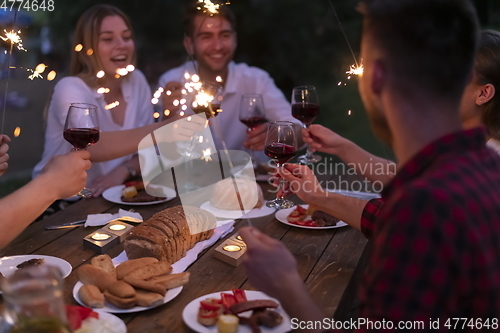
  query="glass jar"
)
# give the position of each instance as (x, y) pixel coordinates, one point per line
(34, 303)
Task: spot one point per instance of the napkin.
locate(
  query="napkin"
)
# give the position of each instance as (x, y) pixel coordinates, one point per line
(223, 229)
(94, 220)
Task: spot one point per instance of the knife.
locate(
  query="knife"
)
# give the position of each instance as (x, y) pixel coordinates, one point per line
(66, 225)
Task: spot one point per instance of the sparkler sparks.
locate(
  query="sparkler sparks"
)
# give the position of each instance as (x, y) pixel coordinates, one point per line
(206, 155)
(35, 74)
(356, 70)
(112, 105)
(207, 6)
(14, 38)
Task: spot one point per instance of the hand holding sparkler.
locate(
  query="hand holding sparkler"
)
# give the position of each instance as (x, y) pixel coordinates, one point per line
(4, 157)
(171, 97)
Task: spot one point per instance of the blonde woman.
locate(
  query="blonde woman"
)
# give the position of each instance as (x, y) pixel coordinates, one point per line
(103, 46)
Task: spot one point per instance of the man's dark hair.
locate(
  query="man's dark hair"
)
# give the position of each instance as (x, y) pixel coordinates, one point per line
(195, 9)
(428, 45)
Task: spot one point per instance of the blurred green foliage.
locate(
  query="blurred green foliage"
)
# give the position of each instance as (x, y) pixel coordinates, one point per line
(296, 41)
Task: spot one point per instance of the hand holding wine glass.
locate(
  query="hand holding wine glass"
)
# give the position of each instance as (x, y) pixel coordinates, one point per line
(281, 146)
(82, 129)
(305, 107)
(252, 114)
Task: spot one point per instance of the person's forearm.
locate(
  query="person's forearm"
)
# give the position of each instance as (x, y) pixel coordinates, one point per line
(22, 207)
(372, 167)
(116, 144)
(347, 209)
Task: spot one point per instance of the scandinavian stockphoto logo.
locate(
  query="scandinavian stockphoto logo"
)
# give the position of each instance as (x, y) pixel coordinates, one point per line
(181, 158)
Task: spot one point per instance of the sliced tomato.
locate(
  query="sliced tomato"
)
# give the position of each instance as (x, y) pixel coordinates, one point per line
(307, 223)
(239, 295)
(77, 314)
(227, 300)
(301, 210)
(210, 304)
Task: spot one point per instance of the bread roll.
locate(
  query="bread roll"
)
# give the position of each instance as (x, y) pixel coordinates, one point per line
(151, 270)
(225, 196)
(91, 296)
(104, 262)
(122, 303)
(121, 289)
(172, 280)
(89, 274)
(146, 285)
(127, 266)
(148, 298)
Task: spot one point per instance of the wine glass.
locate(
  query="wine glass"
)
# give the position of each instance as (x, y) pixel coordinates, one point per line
(208, 99)
(281, 146)
(81, 130)
(252, 115)
(305, 107)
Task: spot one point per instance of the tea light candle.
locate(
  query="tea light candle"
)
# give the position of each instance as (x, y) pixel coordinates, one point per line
(232, 248)
(100, 237)
(100, 241)
(230, 251)
(119, 229)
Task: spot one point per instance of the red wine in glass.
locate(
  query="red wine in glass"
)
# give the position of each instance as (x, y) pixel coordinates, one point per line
(253, 122)
(82, 130)
(305, 112)
(281, 146)
(280, 153)
(305, 107)
(80, 138)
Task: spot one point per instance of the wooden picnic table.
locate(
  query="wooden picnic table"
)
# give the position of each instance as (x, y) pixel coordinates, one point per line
(327, 261)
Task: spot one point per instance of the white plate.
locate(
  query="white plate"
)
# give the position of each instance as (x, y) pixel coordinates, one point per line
(236, 214)
(281, 215)
(112, 321)
(356, 194)
(190, 315)
(170, 295)
(8, 264)
(114, 194)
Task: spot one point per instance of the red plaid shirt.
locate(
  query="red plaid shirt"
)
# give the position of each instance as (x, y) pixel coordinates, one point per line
(436, 234)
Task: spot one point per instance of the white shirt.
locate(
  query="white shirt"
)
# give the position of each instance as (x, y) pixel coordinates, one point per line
(72, 89)
(242, 79)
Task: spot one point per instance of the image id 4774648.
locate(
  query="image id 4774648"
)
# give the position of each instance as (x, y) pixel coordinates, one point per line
(27, 5)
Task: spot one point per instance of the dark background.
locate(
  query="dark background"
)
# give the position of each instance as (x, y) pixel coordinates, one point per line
(297, 41)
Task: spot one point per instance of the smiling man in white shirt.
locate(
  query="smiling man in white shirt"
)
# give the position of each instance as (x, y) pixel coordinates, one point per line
(211, 41)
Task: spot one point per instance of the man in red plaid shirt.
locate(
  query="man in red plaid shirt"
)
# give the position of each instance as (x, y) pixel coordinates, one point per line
(436, 237)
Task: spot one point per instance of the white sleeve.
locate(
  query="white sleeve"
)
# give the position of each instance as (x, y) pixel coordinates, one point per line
(68, 90)
(275, 103)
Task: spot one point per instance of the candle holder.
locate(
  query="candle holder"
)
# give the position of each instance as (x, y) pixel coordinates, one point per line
(100, 241)
(231, 250)
(117, 228)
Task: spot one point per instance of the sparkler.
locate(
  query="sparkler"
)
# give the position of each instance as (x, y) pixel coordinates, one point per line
(356, 70)
(14, 38)
(207, 6)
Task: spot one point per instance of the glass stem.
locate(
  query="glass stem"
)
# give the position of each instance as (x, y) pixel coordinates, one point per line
(309, 152)
(281, 185)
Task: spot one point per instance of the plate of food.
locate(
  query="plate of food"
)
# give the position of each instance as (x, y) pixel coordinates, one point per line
(235, 311)
(308, 217)
(226, 202)
(85, 320)
(8, 265)
(132, 286)
(133, 193)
